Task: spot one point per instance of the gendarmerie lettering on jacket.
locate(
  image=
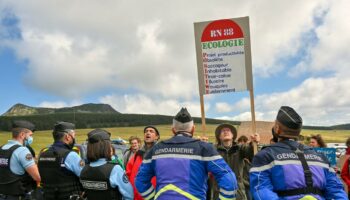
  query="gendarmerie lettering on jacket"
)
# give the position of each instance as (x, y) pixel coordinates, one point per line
(294, 156)
(174, 150)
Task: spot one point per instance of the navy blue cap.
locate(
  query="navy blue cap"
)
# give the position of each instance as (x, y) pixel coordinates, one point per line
(98, 135)
(183, 116)
(63, 127)
(289, 118)
(23, 124)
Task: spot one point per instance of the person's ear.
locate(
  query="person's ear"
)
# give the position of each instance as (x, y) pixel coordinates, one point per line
(192, 131)
(173, 130)
(277, 129)
(23, 134)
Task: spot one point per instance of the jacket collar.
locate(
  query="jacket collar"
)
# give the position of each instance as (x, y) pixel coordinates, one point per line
(233, 148)
(180, 138)
(61, 144)
(282, 144)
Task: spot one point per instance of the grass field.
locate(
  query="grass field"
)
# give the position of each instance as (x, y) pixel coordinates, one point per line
(44, 138)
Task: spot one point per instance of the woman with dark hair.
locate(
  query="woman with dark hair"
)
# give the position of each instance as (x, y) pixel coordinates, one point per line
(101, 178)
(317, 141)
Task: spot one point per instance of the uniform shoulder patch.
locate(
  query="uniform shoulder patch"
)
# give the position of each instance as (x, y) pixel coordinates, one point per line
(29, 157)
(125, 178)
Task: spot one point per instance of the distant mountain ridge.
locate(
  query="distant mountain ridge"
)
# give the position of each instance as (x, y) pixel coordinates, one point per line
(102, 116)
(24, 110)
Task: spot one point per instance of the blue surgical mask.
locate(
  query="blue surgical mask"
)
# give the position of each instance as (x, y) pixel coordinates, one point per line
(28, 141)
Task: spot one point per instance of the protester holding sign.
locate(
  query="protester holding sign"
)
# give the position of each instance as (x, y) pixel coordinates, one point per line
(234, 154)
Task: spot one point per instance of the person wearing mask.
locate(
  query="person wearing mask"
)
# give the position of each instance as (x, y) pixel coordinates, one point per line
(102, 179)
(18, 171)
(290, 170)
(135, 144)
(151, 136)
(317, 141)
(60, 166)
(181, 166)
(236, 156)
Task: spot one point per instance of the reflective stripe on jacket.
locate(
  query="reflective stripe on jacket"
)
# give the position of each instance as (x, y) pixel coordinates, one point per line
(277, 168)
(181, 165)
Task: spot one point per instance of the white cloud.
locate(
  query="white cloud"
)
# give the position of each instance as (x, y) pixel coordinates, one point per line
(223, 107)
(330, 53)
(99, 46)
(320, 101)
(245, 116)
(58, 104)
(141, 104)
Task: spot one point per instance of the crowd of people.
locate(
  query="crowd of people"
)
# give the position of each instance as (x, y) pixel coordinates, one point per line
(182, 167)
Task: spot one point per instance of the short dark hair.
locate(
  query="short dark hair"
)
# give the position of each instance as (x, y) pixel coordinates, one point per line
(57, 136)
(17, 131)
(100, 149)
(319, 140)
(243, 138)
(287, 132)
(348, 142)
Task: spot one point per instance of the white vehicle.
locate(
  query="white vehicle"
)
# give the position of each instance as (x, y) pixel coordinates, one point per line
(339, 147)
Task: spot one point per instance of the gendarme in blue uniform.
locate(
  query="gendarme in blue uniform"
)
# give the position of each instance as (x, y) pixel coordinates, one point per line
(181, 166)
(15, 182)
(277, 168)
(20, 159)
(117, 180)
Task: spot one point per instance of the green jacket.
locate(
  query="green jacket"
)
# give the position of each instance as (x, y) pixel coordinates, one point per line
(235, 157)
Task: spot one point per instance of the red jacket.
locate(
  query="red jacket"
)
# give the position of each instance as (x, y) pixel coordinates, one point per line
(132, 168)
(345, 175)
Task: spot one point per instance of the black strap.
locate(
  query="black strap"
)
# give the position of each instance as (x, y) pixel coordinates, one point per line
(299, 191)
(309, 189)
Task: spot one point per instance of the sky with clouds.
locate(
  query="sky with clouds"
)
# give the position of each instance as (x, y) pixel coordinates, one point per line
(139, 56)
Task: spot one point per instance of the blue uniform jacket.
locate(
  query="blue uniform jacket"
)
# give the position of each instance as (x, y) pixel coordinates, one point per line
(181, 165)
(277, 168)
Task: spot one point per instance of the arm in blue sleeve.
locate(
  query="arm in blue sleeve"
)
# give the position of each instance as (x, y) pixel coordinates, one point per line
(74, 163)
(334, 187)
(119, 179)
(225, 178)
(260, 185)
(143, 180)
(25, 158)
(259, 175)
(223, 174)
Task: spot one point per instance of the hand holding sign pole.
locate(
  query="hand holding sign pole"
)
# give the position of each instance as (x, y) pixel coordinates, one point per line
(224, 59)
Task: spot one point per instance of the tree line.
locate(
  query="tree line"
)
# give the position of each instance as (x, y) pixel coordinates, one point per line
(97, 120)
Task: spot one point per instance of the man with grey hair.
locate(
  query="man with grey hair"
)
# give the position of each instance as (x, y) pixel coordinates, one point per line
(181, 166)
